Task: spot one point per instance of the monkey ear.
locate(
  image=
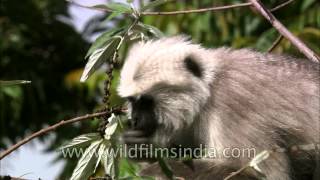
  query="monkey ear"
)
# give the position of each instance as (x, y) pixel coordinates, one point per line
(193, 67)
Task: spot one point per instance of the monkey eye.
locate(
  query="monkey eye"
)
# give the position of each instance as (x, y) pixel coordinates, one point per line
(147, 100)
(193, 66)
(141, 100)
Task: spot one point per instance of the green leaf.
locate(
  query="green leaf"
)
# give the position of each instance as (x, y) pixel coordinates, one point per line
(115, 6)
(81, 141)
(112, 15)
(86, 165)
(101, 6)
(103, 39)
(99, 56)
(110, 151)
(109, 158)
(14, 82)
(153, 30)
(104, 146)
(153, 4)
(95, 61)
(108, 161)
(111, 126)
(120, 7)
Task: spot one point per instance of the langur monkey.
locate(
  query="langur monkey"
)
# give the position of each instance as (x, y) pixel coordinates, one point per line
(182, 93)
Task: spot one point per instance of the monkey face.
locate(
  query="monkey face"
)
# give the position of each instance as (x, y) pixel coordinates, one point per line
(143, 116)
(166, 86)
(142, 121)
(159, 116)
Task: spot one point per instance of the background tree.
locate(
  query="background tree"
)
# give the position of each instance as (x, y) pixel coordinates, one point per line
(36, 45)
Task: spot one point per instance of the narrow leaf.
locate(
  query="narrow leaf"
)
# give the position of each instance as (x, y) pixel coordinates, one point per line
(108, 161)
(87, 162)
(109, 158)
(102, 152)
(111, 126)
(120, 7)
(103, 39)
(101, 6)
(14, 82)
(94, 63)
(81, 141)
(112, 15)
(153, 30)
(115, 6)
(98, 57)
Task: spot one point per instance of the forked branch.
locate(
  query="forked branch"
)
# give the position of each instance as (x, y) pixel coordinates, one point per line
(301, 46)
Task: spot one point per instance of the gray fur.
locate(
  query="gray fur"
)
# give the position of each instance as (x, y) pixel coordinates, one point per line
(244, 99)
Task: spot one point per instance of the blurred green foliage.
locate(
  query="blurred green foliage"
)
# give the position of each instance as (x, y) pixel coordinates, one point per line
(35, 45)
(242, 27)
(38, 47)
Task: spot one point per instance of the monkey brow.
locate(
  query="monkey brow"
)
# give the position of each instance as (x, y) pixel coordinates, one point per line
(131, 98)
(165, 86)
(159, 87)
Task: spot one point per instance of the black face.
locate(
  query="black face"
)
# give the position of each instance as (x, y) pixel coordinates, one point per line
(143, 115)
(143, 123)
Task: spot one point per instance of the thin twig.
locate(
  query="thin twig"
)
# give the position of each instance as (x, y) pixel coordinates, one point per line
(275, 43)
(171, 12)
(284, 31)
(185, 11)
(53, 127)
(197, 10)
(236, 172)
(281, 5)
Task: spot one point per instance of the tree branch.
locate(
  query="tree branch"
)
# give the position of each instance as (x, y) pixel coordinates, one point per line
(275, 43)
(53, 127)
(185, 11)
(171, 12)
(212, 9)
(197, 10)
(281, 5)
(284, 31)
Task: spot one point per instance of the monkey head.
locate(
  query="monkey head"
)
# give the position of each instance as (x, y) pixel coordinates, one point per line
(166, 85)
